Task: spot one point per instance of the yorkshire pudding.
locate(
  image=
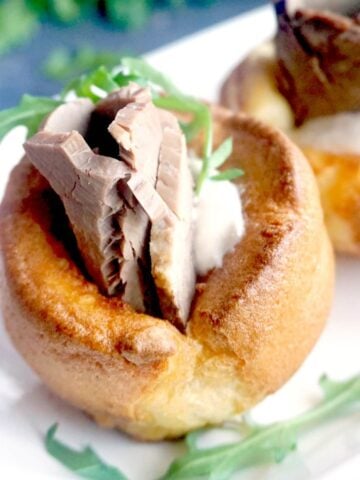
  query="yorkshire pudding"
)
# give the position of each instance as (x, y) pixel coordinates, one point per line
(310, 72)
(252, 323)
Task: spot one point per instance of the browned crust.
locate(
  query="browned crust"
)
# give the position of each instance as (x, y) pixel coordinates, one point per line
(282, 218)
(253, 321)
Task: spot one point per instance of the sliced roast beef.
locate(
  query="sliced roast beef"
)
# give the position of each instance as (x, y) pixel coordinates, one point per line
(132, 278)
(69, 116)
(137, 130)
(319, 62)
(112, 103)
(171, 244)
(93, 188)
(104, 113)
(111, 202)
(170, 210)
(344, 7)
(174, 182)
(151, 142)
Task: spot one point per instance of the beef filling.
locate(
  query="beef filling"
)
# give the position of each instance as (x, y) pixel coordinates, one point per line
(121, 171)
(319, 62)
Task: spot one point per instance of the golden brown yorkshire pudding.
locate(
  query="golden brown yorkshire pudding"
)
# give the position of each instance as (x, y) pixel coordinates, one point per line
(319, 76)
(252, 324)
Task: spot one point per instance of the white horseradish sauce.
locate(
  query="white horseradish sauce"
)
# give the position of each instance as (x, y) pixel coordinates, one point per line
(218, 222)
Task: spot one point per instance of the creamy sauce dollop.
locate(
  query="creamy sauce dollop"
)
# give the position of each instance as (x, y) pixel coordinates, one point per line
(218, 221)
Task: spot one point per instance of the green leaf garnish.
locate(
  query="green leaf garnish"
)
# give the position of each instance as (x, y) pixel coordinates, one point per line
(100, 78)
(166, 95)
(229, 174)
(216, 160)
(192, 438)
(264, 444)
(220, 155)
(84, 463)
(30, 112)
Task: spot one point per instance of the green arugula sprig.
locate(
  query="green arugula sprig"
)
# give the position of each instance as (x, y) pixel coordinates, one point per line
(30, 112)
(90, 85)
(262, 444)
(215, 161)
(84, 463)
(165, 95)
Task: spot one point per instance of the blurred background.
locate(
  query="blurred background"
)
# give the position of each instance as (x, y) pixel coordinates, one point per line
(44, 43)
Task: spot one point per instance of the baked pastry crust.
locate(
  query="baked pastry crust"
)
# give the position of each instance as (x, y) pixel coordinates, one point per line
(251, 88)
(252, 323)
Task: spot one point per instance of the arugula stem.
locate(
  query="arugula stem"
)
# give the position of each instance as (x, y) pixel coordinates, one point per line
(328, 407)
(207, 150)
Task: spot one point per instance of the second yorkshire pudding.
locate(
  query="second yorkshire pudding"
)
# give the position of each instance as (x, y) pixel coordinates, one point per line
(310, 73)
(252, 324)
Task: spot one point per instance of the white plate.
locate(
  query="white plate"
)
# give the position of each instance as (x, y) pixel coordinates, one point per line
(197, 64)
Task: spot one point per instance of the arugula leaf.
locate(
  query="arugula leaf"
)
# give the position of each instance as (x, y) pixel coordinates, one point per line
(63, 63)
(264, 443)
(83, 86)
(261, 445)
(330, 387)
(220, 155)
(191, 129)
(122, 80)
(229, 174)
(192, 438)
(178, 103)
(214, 161)
(30, 112)
(84, 463)
(17, 24)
